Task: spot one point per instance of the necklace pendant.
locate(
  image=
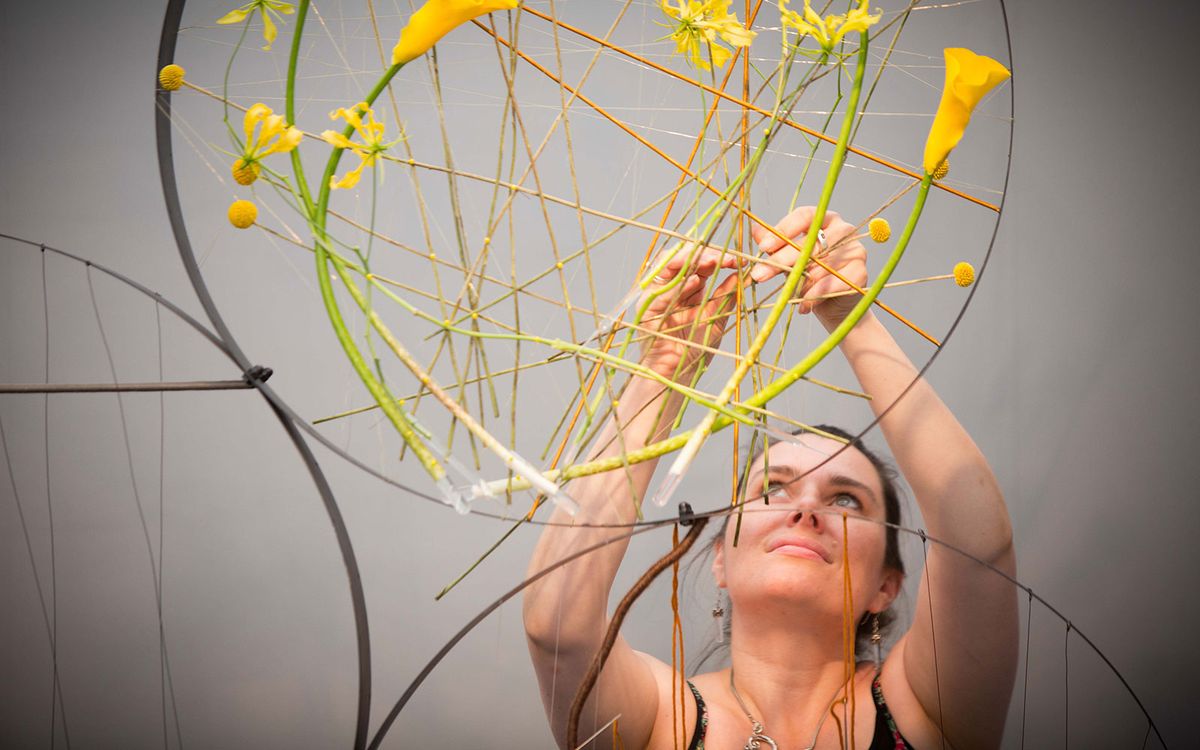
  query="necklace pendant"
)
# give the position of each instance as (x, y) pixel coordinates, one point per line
(758, 740)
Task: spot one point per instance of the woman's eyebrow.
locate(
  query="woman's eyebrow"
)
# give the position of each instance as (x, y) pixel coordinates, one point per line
(842, 480)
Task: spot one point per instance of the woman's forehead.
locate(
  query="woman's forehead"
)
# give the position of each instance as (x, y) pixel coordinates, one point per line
(818, 456)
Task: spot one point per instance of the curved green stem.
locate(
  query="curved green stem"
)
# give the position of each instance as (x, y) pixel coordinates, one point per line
(317, 216)
(701, 432)
(771, 390)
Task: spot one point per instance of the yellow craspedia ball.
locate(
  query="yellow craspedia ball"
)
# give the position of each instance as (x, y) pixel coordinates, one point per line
(245, 172)
(242, 214)
(964, 274)
(942, 170)
(880, 229)
(171, 77)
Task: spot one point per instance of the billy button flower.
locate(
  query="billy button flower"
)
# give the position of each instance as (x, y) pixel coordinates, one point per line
(827, 31)
(969, 77)
(964, 273)
(243, 214)
(700, 25)
(880, 229)
(435, 19)
(368, 151)
(171, 77)
(266, 8)
(274, 136)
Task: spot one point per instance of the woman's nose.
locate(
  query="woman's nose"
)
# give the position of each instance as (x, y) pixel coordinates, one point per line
(802, 515)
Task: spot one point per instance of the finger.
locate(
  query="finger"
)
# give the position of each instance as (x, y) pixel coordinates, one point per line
(781, 262)
(829, 284)
(791, 226)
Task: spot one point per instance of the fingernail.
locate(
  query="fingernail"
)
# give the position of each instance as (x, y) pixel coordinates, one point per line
(760, 273)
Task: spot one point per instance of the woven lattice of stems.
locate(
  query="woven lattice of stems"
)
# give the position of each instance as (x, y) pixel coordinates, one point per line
(727, 210)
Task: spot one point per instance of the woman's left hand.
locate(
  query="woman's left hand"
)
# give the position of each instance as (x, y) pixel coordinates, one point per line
(842, 252)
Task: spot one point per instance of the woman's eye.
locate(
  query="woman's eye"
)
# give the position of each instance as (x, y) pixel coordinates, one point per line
(846, 500)
(774, 490)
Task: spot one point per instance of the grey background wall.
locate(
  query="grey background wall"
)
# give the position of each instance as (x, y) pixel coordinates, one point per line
(1073, 369)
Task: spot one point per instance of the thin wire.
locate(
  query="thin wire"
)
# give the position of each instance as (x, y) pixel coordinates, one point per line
(937, 677)
(1067, 686)
(164, 653)
(37, 581)
(1028, 648)
(55, 688)
(164, 663)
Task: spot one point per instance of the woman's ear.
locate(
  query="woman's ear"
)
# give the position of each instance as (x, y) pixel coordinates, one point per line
(718, 563)
(889, 589)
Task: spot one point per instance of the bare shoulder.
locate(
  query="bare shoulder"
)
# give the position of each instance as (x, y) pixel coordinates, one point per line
(676, 716)
(912, 721)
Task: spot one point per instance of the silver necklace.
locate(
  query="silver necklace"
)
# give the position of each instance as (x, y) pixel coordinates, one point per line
(757, 733)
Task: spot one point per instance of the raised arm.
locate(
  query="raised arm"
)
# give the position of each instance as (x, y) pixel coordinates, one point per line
(964, 612)
(566, 613)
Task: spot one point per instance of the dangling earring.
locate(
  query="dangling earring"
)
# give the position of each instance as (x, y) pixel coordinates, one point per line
(876, 639)
(718, 615)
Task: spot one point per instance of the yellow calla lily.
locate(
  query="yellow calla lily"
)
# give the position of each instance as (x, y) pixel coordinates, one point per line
(265, 7)
(274, 136)
(435, 19)
(828, 31)
(969, 77)
(700, 25)
(371, 132)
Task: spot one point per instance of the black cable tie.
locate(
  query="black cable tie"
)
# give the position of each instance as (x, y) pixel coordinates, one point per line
(923, 537)
(257, 374)
(687, 516)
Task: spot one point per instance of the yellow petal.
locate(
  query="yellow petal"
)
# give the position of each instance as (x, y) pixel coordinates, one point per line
(256, 114)
(236, 16)
(269, 30)
(720, 55)
(271, 127)
(288, 141)
(334, 138)
(435, 19)
(349, 180)
(969, 77)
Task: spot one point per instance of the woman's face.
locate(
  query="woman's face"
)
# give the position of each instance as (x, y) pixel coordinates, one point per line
(791, 543)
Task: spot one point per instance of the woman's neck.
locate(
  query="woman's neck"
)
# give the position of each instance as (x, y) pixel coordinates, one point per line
(788, 676)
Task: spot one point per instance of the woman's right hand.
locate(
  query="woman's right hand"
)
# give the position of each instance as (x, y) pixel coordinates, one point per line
(685, 319)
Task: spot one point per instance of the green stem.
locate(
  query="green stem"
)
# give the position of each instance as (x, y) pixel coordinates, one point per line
(773, 389)
(317, 216)
(701, 432)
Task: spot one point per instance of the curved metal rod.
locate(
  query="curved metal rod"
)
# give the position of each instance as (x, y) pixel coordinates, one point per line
(166, 168)
(285, 413)
(411, 690)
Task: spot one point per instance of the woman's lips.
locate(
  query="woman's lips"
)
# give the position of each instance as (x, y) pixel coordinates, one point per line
(800, 548)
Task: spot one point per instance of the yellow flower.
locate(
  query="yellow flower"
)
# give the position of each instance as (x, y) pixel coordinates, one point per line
(828, 31)
(880, 229)
(700, 25)
(245, 172)
(274, 136)
(943, 169)
(964, 274)
(242, 214)
(435, 19)
(368, 151)
(969, 77)
(171, 77)
(266, 7)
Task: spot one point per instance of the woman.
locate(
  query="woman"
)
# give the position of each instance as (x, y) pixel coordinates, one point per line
(945, 683)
